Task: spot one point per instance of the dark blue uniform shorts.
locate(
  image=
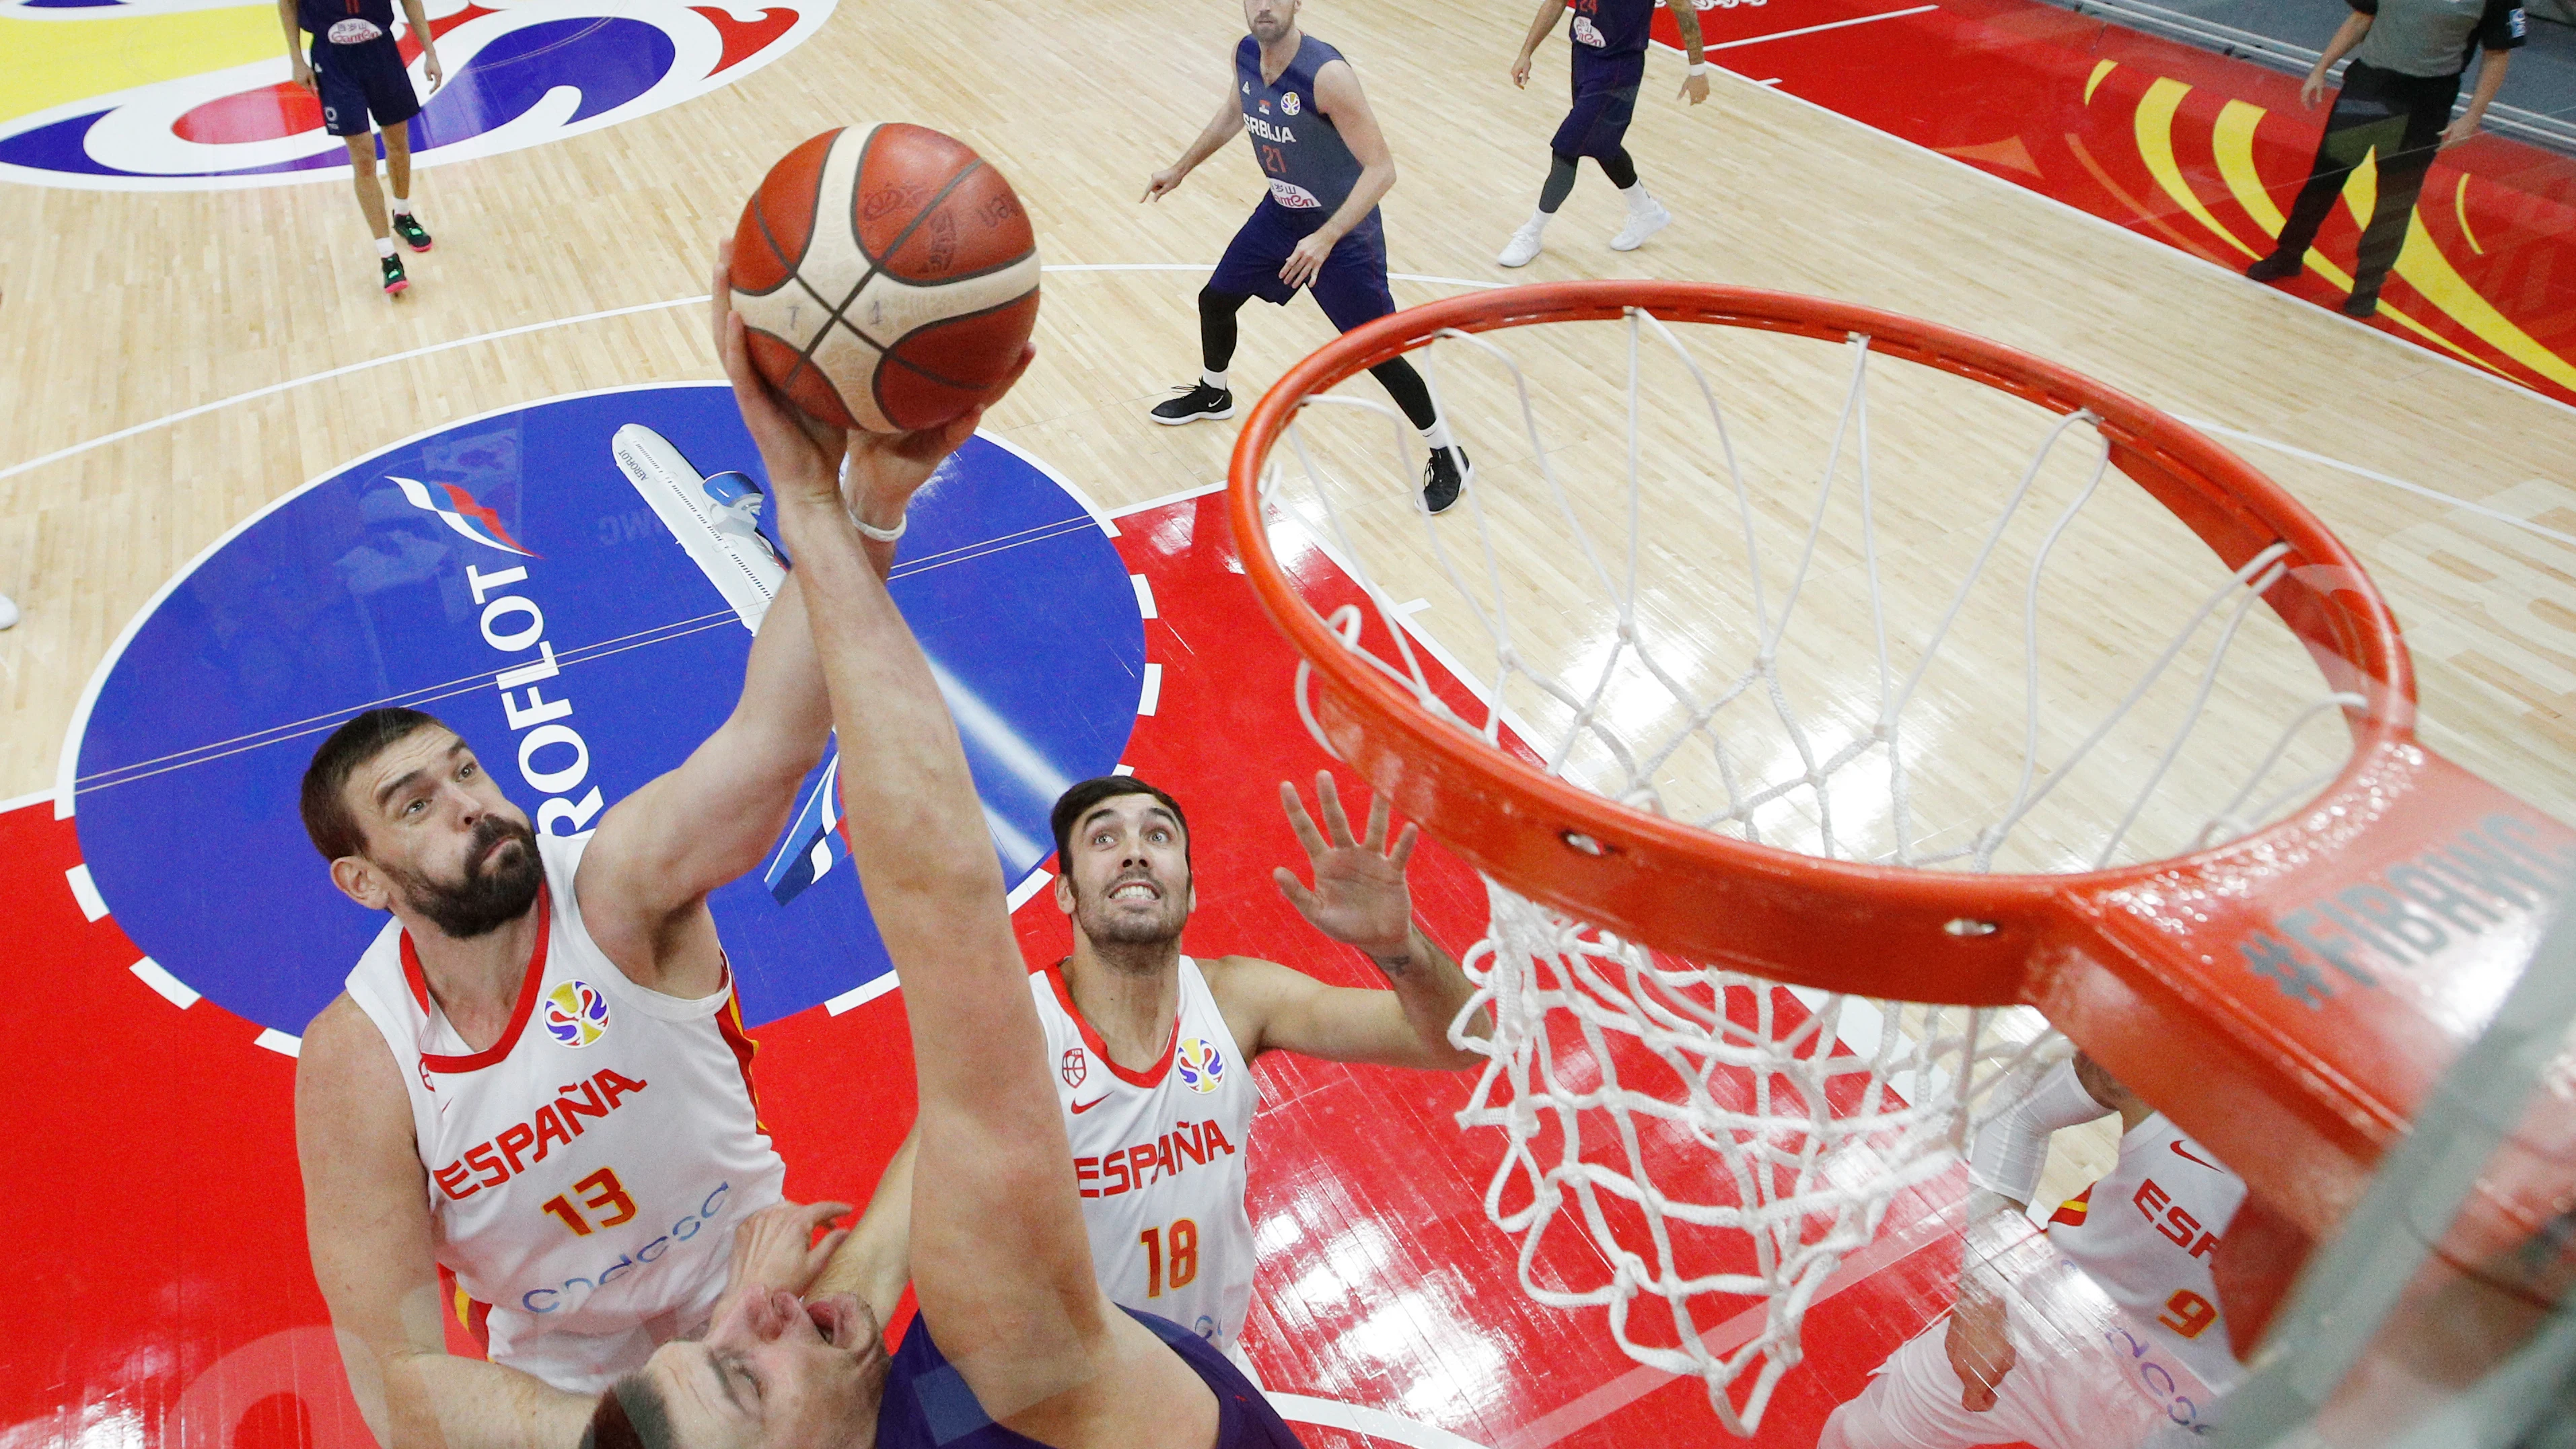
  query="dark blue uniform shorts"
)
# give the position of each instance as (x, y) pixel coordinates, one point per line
(1605, 100)
(1352, 286)
(361, 81)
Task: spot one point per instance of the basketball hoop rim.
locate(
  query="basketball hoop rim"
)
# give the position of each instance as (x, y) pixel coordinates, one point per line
(2141, 436)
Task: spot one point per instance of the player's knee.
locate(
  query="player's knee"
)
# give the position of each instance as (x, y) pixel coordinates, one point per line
(1213, 303)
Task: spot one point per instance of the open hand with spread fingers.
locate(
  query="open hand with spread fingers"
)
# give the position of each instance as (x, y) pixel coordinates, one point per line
(1359, 897)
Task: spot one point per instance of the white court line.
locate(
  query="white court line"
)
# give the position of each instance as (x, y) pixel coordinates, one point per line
(1636, 1383)
(181, 416)
(84, 890)
(1152, 503)
(1360, 1419)
(14, 469)
(2377, 477)
(1810, 30)
(25, 800)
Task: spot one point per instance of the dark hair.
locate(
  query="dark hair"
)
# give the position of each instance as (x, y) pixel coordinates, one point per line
(629, 1415)
(1075, 803)
(327, 818)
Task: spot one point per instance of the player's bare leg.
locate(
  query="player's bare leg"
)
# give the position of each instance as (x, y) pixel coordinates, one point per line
(398, 174)
(371, 202)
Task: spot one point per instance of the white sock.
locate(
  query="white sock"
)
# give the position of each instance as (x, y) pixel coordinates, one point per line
(384, 246)
(1536, 224)
(1437, 435)
(401, 207)
(1638, 200)
(1213, 379)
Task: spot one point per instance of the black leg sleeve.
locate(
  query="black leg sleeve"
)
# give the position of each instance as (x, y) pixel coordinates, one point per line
(1408, 389)
(1216, 326)
(1621, 171)
(1560, 182)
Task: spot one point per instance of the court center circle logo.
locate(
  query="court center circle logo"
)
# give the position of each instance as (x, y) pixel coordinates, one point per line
(573, 586)
(202, 96)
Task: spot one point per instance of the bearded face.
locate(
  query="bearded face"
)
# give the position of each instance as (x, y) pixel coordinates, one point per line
(502, 875)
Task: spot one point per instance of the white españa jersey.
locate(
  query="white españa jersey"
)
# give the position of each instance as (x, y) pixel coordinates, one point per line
(1158, 1157)
(587, 1171)
(2147, 1231)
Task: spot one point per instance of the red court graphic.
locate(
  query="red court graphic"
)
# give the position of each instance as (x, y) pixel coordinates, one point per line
(2199, 151)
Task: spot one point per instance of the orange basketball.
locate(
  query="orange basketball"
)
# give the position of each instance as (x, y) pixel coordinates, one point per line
(887, 276)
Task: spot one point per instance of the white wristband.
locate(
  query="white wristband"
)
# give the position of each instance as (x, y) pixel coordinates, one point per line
(883, 535)
(1699, 67)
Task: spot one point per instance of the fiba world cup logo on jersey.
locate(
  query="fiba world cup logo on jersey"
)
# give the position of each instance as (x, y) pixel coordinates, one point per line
(1076, 1066)
(1201, 1065)
(576, 1014)
(1289, 103)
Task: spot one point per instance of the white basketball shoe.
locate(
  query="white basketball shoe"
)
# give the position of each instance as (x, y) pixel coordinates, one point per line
(1523, 247)
(1644, 220)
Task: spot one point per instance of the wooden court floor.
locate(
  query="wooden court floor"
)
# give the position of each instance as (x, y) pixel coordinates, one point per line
(120, 309)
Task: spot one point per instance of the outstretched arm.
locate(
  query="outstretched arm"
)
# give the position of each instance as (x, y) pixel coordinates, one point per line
(1000, 1258)
(2004, 1165)
(662, 849)
(1359, 898)
(1210, 140)
(366, 1218)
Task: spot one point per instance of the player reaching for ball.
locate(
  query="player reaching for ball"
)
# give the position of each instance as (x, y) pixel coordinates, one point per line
(537, 1078)
(1328, 167)
(357, 72)
(2103, 1334)
(1609, 65)
(1016, 1345)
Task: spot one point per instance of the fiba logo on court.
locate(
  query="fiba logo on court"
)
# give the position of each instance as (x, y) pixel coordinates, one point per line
(1201, 1065)
(205, 106)
(1076, 1067)
(1289, 103)
(576, 1014)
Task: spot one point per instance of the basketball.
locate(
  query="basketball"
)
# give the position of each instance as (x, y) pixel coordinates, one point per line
(887, 278)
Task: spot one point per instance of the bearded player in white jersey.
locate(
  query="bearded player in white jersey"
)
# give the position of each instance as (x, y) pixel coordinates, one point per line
(537, 1077)
(1151, 1048)
(2104, 1334)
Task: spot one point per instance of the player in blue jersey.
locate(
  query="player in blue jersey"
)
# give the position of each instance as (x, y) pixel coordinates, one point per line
(1328, 166)
(357, 71)
(1609, 65)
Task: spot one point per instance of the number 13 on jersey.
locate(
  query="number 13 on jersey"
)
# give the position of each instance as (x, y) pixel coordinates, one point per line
(1184, 1241)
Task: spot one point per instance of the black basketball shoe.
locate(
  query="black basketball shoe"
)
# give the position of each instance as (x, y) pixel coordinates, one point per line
(1196, 401)
(2274, 267)
(1442, 477)
(395, 281)
(414, 235)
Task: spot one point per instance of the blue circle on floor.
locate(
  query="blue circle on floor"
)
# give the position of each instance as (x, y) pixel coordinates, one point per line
(497, 571)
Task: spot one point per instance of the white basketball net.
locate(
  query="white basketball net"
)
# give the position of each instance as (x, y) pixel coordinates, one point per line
(1654, 626)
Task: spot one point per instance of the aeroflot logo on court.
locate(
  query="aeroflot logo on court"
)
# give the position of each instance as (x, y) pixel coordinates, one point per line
(468, 518)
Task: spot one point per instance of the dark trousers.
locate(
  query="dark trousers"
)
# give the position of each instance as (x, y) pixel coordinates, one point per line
(2399, 116)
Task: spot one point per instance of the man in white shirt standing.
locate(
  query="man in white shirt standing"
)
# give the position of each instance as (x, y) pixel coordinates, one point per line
(1152, 1048)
